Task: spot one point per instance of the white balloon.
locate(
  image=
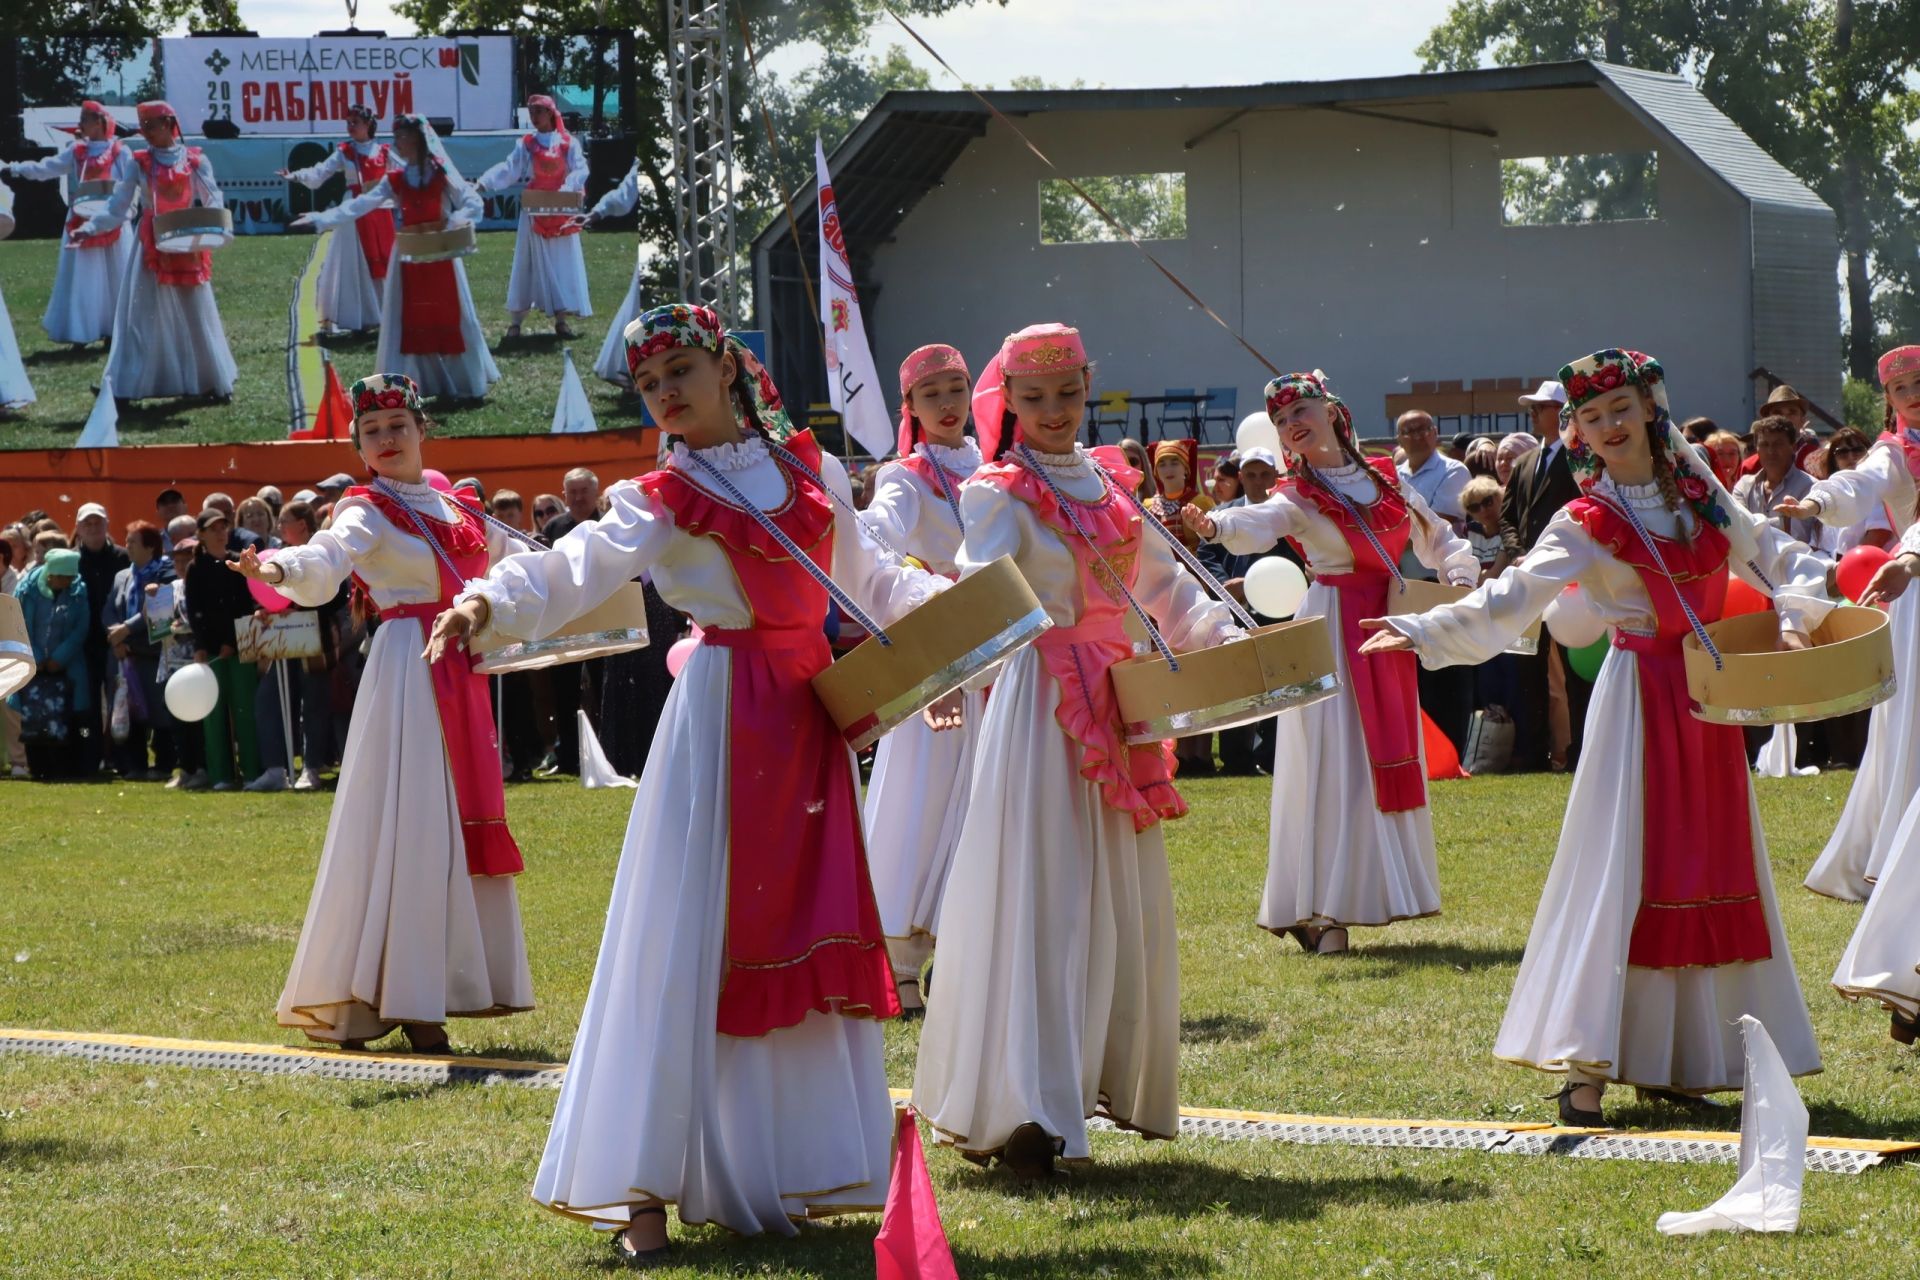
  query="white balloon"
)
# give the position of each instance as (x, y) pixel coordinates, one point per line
(1572, 620)
(192, 693)
(1275, 587)
(1256, 431)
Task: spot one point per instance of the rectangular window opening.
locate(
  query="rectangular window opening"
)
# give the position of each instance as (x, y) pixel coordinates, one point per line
(1570, 190)
(1152, 205)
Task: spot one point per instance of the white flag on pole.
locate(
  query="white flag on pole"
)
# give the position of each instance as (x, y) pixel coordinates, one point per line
(856, 391)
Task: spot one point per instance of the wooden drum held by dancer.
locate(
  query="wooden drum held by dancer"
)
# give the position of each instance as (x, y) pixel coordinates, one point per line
(1849, 668)
(985, 618)
(92, 197)
(617, 625)
(192, 230)
(551, 202)
(17, 667)
(1277, 668)
(435, 243)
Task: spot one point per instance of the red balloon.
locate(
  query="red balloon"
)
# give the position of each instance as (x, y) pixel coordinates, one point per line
(1856, 570)
(1442, 760)
(1742, 598)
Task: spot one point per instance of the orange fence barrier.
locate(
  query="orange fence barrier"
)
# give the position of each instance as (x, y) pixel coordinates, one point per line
(126, 480)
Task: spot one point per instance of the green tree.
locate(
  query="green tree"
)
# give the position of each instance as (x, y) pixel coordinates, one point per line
(1822, 85)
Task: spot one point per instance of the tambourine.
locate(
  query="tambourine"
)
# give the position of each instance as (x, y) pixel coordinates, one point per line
(192, 230)
(617, 625)
(1274, 669)
(17, 666)
(90, 199)
(1848, 669)
(435, 244)
(981, 620)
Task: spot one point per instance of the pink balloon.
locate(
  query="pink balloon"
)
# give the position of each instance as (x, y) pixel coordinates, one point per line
(677, 656)
(265, 596)
(437, 479)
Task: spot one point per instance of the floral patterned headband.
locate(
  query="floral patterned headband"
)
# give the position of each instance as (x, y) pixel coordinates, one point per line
(1603, 372)
(686, 324)
(924, 362)
(385, 391)
(1289, 387)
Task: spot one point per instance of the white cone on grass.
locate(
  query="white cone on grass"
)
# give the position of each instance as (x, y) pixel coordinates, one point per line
(572, 413)
(103, 424)
(595, 772)
(1773, 1151)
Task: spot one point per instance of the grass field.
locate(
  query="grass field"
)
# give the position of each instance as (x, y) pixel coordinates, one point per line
(253, 281)
(129, 908)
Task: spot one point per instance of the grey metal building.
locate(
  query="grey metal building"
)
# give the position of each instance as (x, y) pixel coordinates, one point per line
(1365, 227)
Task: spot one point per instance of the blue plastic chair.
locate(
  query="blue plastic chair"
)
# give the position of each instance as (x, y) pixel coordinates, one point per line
(1222, 407)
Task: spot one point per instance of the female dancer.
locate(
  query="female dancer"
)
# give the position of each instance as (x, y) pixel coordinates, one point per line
(355, 272)
(414, 917)
(729, 1058)
(1352, 837)
(1890, 773)
(1658, 928)
(167, 336)
(921, 776)
(431, 334)
(16, 392)
(549, 271)
(1059, 989)
(86, 284)
(611, 364)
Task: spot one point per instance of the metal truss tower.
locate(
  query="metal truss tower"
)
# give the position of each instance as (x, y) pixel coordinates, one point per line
(703, 169)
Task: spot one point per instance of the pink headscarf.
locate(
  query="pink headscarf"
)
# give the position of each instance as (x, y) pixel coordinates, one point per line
(542, 100)
(923, 363)
(1036, 349)
(158, 110)
(95, 108)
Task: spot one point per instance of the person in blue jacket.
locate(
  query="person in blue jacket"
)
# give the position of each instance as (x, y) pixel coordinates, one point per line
(56, 707)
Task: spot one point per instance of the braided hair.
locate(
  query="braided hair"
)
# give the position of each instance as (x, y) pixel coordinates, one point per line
(1387, 478)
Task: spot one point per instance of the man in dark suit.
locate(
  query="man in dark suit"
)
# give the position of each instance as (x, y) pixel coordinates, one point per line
(1542, 483)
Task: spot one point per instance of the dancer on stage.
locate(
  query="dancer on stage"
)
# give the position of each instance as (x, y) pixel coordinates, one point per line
(1658, 928)
(1059, 991)
(430, 332)
(549, 271)
(611, 364)
(1889, 775)
(414, 917)
(167, 336)
(1351, 840)
(729, 1059)
(355, 272)
(87, 281)
(923, 770)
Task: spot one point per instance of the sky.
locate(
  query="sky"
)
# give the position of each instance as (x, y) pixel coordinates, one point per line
(1120, 44)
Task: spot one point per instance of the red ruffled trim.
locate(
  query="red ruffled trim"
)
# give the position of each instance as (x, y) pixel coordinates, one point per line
(806, 518)
(1089, 714)
(845, 976)
(491, 849)
(1703, 557)
(1110, 521)
(468, 537)
(1701, 934)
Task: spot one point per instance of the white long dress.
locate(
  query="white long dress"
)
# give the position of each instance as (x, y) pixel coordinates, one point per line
(346, 295)
(1889, 773)
(1577, 1005)
(396, 930)
(611, 364)
(549, 272)
(1059, 990)
(917, 795)
(86, 283)
(1333, 858)
(754, 1133)
(461, 377)
(15, 390)
(167, 339)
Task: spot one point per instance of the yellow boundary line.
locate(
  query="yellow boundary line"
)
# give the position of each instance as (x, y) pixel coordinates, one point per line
(521, 1067)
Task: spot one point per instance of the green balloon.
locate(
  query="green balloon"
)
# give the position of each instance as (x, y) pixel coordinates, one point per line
(1586, 660)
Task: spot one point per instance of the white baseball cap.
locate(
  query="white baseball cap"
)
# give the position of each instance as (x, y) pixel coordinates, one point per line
(1258, 454)
(1550, 392)
(90, 509)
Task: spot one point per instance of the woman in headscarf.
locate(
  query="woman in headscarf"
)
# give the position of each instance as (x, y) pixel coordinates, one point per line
(549, 271)
(1351, 839)
(167, 336)
(729, 1059)
(430, 333)
(347, 295)
(1657, 930)
(87, 281)
(1059, 991)
(414, 917)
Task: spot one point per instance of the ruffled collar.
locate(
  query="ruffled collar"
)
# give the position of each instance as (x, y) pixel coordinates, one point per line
(962, 460)
(723, 457)
(1062, 465)
(168, 157)
(1110, 518)
(1642, 497)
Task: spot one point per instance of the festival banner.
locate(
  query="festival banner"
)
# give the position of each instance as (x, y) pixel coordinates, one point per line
(306, 86)
(857, 393)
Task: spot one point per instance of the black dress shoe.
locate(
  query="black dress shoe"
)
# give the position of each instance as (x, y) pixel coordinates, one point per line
(1029, 1153)
(641, 1259)
(1903, 1028)
(1573, 1116)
